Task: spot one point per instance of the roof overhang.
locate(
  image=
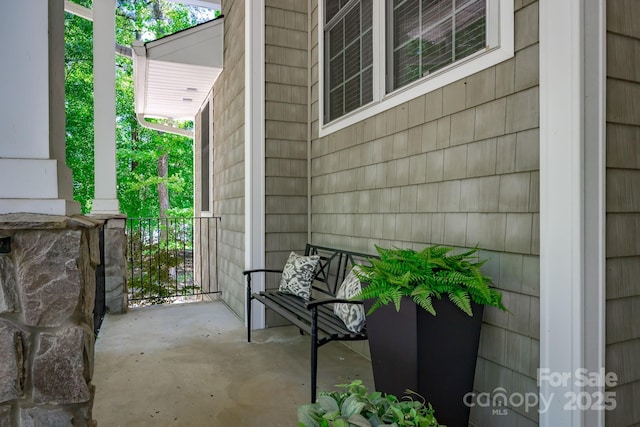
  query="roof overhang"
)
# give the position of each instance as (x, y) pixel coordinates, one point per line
(174, 74)
(210, 4)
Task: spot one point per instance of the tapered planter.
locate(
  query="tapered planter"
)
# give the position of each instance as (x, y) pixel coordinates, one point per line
(434, 356)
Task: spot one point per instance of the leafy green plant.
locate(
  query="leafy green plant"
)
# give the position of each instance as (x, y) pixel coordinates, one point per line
(353, 405)
(430, 273)
(160, 259)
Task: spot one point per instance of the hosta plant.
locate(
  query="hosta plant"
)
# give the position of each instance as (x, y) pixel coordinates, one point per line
(423, 275)
(354, 406)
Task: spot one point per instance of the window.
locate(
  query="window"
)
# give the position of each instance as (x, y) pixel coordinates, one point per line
(428, 35)
(378, 54)
(349, 55)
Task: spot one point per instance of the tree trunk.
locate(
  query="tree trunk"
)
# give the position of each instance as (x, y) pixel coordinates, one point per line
(134, 138)
(163, 193)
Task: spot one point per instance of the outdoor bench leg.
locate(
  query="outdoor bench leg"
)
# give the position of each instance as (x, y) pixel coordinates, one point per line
(314, 353)
(249, 308)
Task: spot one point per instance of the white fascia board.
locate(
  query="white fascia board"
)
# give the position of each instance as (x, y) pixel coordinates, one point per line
(139, 53)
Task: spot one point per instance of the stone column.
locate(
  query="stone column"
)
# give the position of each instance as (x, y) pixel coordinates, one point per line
(32, 119)
(47, 295)
(104, 70)
(115, 262)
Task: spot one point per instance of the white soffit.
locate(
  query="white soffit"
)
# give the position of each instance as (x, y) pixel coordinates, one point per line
(174, 74)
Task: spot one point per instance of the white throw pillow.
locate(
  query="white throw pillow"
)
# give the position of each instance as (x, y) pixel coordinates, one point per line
(351, 314)
(297, 275)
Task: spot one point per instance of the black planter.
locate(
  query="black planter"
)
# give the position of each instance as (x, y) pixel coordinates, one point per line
(434, 356)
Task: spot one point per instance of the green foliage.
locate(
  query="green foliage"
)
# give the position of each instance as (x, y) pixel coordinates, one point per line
(431, 273)
(137, 166)
(180, 212)
(79, 106)
(355, 406)
(157, 250)
(154, 280)
(138, 148)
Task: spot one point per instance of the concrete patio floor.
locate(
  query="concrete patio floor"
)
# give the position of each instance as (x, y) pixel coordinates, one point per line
(191, 365)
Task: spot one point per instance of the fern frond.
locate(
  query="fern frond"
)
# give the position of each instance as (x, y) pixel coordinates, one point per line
(372, 291)
(425, 302)
(376, 305)
(431, 272)
(464, 255)
(461, 299)
(397, 297)
(436, 251)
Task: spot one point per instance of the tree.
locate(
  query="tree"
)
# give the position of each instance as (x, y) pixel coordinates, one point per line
(154, 170)
(79, 105)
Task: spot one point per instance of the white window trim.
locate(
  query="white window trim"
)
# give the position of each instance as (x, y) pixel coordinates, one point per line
(457, 71)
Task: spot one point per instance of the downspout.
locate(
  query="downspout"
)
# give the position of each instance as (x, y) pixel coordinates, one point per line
(162, 127)
(309, 118)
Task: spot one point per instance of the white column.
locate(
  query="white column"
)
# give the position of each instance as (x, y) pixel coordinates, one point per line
(595, 79)
(254, 160)
(572, 201)
(33, 175)
(104, 71)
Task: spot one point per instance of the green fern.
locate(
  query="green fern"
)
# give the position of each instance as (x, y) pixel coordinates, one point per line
(461, 299)
(430, 273)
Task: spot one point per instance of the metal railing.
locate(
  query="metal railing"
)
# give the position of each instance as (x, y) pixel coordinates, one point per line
(171, 259)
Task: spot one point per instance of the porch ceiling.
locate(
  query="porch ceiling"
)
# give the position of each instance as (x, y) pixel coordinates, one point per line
(174, 74)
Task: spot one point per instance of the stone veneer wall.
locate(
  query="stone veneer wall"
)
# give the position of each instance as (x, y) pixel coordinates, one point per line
(47, 292)
(458, 166)
(286, 71)
(623, 209)
(115, 262)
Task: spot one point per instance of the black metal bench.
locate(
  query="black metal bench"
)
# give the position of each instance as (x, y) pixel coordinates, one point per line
(314, 317)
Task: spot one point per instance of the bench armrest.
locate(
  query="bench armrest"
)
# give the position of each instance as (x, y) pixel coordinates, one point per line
(261, 270)
(248, 274)
(324, 301)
